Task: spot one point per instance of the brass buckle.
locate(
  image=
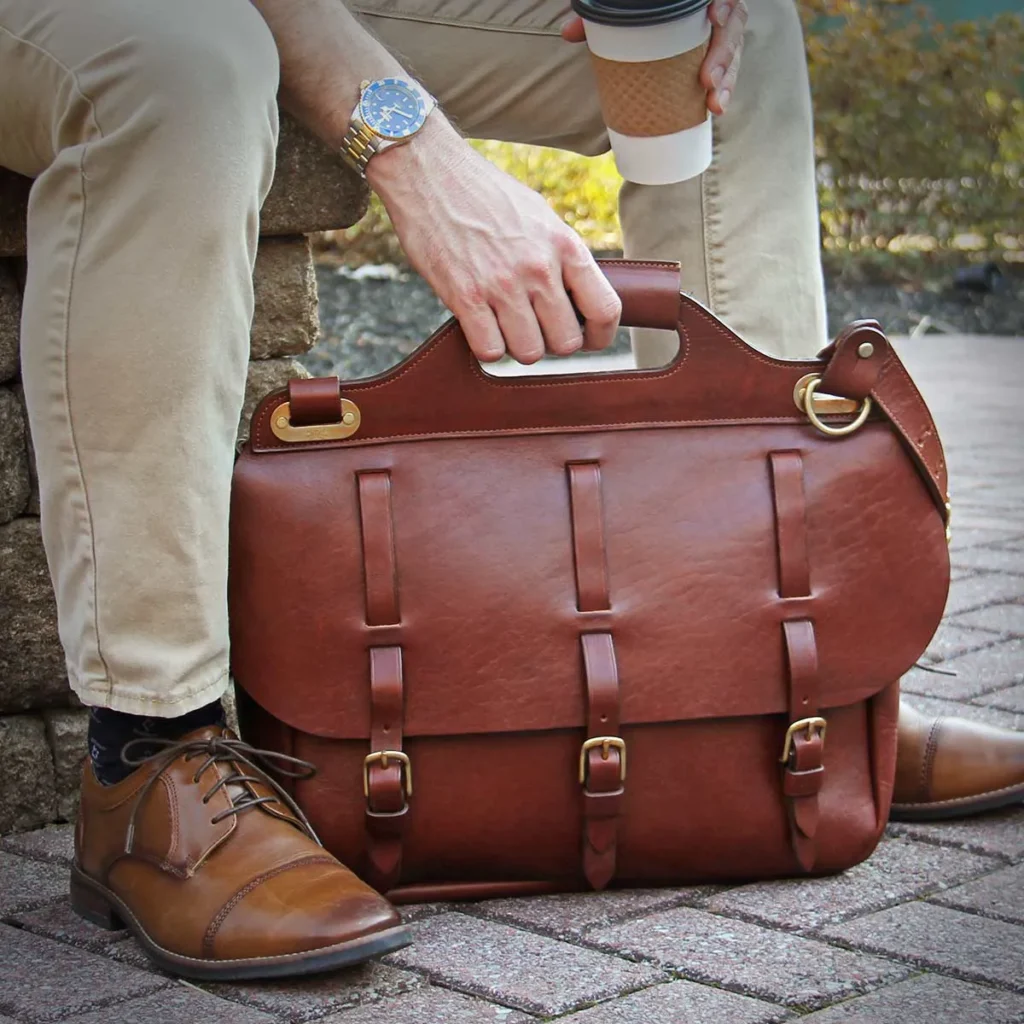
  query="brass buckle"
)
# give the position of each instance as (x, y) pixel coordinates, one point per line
(812, 413)
(349, 419)
(382, 757)
(812, 725)
(605, 743)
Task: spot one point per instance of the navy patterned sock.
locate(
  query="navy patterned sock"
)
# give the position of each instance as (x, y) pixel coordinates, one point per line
(110, 730)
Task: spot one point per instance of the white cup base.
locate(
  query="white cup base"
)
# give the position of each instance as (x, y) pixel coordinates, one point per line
(663, 159)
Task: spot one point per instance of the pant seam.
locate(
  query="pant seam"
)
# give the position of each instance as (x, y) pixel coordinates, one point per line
(66, 325)
(76, 457)
(710, 216)
(423, 19)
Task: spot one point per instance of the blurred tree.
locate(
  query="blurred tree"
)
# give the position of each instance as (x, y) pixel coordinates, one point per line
(919, 134)
(919, 128)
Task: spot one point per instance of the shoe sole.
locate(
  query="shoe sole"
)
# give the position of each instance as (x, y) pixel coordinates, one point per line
(98, 905)
(962, 807)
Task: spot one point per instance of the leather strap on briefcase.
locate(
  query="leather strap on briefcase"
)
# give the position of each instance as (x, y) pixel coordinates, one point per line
(557, 632)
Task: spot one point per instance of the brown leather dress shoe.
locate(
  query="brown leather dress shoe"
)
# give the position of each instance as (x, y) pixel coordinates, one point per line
(953, 767)
(216, 871)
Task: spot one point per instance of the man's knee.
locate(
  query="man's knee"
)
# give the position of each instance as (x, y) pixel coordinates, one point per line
(198, 77)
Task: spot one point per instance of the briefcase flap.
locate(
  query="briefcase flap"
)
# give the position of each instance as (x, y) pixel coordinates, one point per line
(484, 557)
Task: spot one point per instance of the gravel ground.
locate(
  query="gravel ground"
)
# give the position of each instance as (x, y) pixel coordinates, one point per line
(371, 318)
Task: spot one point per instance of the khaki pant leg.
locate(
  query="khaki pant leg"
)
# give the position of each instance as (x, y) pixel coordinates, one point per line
(746, 233)
(150, 130)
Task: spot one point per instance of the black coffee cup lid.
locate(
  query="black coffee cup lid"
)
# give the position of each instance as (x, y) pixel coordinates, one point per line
(630, 13)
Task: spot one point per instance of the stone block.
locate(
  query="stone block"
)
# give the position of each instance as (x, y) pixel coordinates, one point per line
(1000, 834)
(10, 318)
(55, 843)
(313, 190)
(26, 884)
(570, 915)
(897, 871)
(14, 478)
(999, 895)
(66, 734)
(303, 999)
(979, 537)
(32, 670)
(1007, 619)
(285, 321)
(1011, 699)
(517, 968)
(963, 945)
(430, 1006)
(14, 190)
(47, 981)
(681, 1001)
(991, 560)
(928, 997)
(177, 1005)
(977, 673)
(265, 375)
(28, 798)
(59, 922)
(776, 966)
(950, 641)
(976, 712)
(980, 589)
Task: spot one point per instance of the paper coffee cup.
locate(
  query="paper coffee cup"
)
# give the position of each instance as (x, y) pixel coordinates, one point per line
(647, 56)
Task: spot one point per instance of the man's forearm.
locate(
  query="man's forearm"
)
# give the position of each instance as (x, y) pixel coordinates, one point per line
(325, 53)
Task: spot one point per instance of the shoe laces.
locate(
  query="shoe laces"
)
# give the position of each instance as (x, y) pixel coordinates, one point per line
(223, 750)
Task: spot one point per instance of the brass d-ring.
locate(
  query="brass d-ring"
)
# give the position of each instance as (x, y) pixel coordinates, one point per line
(847, 428)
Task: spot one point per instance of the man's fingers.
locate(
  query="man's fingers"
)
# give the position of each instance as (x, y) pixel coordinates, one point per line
(596, 300)
(729, 21)
(482, 332)
(563, 334)
(572, 31)
(519, 328)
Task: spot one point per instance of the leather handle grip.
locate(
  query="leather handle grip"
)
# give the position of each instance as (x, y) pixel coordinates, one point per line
(649, 290)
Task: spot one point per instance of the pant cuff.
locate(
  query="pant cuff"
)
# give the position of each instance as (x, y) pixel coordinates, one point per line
(101, 693)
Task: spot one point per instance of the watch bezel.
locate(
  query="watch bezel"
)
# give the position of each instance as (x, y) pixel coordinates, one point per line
(421, 107)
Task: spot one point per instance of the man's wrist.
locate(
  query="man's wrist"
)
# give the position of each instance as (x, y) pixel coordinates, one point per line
(435, 146)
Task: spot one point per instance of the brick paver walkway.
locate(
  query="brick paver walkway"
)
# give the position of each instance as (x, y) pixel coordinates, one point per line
(931, 929)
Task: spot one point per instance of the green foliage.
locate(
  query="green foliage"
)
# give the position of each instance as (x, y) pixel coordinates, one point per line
(919, 135)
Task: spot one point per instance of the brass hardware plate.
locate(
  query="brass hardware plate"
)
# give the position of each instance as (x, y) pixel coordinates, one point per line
(347, 425)
(823, 404)
(808, 725)
(812, 411)
(605, 743)
(382, 757)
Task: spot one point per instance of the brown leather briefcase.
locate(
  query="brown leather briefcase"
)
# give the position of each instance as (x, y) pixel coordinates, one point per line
(552, 633)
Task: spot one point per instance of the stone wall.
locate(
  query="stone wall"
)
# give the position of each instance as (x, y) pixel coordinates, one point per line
(42, 725)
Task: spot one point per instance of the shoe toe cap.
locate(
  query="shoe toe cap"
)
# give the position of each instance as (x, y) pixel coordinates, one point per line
(304, 907)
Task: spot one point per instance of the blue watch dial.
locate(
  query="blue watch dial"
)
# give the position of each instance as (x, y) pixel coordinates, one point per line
(392, 109)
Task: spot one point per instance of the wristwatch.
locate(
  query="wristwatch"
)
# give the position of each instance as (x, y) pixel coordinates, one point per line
(389, 113)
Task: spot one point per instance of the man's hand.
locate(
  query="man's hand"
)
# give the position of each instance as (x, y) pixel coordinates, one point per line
(722, 61)
(494, 251)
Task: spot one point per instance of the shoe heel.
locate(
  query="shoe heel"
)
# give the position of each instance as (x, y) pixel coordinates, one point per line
(89, 904)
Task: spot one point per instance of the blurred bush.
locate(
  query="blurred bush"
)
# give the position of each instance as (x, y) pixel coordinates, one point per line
(919, 135)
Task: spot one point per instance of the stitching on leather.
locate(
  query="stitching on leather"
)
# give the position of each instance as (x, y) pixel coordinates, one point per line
(966, 801)
(935, 470)
(520, 431)
(264, 876)
(928, 762)
(433, 343)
